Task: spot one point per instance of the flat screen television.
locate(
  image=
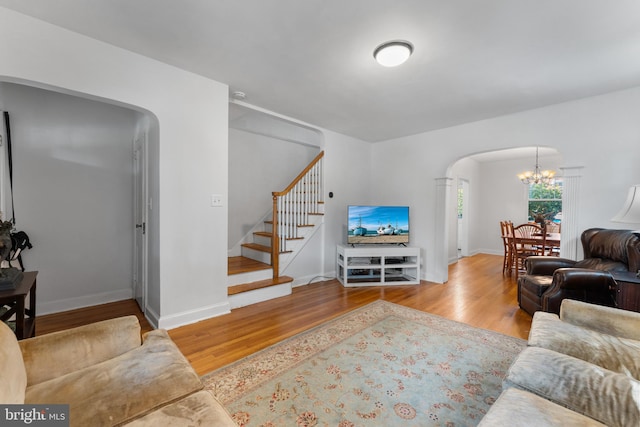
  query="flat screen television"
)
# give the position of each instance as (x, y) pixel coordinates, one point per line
(378, 224)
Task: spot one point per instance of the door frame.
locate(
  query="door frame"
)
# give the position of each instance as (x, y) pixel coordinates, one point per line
(463, 223)
(140, 220)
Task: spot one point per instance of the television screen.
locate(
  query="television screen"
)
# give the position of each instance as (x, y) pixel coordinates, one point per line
(378, 224)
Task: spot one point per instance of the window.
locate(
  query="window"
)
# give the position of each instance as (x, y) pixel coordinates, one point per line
(546, 199)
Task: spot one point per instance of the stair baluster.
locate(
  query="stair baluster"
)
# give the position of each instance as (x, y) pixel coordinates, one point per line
(292, 206)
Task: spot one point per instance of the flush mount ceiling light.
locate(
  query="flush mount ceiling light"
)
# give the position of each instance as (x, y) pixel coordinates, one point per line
(393, 53)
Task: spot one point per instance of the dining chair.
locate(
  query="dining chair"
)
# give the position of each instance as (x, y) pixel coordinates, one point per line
(505, 227)
(553, 227)
(527, 240)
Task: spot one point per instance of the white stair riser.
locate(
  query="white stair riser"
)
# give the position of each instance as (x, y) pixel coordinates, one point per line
(252, 276)
(259, 295)
(257, 255)
(262, 240)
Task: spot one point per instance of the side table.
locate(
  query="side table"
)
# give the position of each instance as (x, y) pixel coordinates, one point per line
(16, 300)
(627, 290)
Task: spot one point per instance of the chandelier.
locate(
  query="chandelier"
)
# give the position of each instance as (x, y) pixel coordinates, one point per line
(537, 176)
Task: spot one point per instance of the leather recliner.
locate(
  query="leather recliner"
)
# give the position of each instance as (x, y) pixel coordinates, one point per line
(549, 280)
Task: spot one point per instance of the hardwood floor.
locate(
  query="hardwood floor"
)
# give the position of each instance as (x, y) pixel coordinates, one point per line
(477, 294)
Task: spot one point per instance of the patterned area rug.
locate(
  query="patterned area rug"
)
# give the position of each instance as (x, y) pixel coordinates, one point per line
(379, 365)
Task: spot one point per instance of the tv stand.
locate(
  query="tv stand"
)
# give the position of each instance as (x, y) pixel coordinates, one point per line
(377, 265)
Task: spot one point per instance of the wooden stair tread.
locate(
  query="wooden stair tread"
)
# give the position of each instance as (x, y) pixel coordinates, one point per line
(260, 284)
(261, 248)
(263, 233)
(257, 247)
(240, 264)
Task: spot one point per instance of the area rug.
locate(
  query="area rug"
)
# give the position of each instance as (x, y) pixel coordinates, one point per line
(379, 365)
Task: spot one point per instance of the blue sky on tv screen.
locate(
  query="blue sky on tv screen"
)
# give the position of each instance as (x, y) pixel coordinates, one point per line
(372, 217)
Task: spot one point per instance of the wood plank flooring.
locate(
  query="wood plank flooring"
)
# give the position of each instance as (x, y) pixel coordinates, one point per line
(477, 294)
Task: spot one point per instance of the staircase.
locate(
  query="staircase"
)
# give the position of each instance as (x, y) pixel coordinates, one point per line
(295, 216)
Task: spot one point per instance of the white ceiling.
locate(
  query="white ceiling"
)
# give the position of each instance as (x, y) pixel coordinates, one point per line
(312, 60)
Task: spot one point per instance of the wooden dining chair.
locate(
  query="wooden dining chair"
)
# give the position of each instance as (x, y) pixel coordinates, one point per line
(553, 227)
(505, 227)
(527, 240)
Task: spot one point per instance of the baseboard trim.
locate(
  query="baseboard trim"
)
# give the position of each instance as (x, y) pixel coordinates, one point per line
(83, 301)
(307, 280)
(188, 317)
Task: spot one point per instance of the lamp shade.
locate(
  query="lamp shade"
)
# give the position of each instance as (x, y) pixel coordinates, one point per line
(630, 213)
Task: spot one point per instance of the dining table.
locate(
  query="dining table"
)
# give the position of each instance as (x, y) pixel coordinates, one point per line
(552, 239)
(535, 240)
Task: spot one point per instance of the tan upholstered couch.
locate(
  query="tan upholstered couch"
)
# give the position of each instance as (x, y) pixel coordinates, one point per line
(580, 368)
(108, 376)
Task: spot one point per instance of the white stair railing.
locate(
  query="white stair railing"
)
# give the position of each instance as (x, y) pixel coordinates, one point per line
(292, 207)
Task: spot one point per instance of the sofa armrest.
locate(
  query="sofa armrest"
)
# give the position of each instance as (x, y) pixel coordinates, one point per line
(588, 389)
(607, 320)
(52, 355)
(546, 265)
(581, 284)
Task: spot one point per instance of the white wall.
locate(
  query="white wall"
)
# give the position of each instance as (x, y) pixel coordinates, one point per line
(347, 170)
(192, 115)
(73, 194)
(601, 133)
(259, 165)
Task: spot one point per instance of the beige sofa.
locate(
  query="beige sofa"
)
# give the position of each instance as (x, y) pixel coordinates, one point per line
(108, 376)
(580, 368)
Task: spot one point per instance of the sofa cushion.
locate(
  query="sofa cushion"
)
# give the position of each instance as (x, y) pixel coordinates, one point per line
(536, 285)
(12, 371)
(608, 244)
(601, 264)
(59, 353)
(122, 388)
(613, 353)
(607, 320)
(517, 408)
(198, 409)
(609, 397)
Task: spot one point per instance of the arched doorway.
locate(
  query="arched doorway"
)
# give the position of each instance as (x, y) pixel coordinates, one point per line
(497, 194)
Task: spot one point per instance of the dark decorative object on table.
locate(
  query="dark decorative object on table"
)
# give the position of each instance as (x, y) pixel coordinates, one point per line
(9, 276)
(541, 218)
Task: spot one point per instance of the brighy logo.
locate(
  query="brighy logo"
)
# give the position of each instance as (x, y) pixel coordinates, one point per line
(26, 416)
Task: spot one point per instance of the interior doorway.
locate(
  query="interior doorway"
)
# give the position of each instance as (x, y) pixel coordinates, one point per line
(140, 190)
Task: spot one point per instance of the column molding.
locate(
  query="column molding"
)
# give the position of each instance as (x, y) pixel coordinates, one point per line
(571, 177)
(441, 230)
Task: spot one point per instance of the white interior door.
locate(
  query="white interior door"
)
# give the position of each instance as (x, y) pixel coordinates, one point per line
(140, 220)
(463, 218)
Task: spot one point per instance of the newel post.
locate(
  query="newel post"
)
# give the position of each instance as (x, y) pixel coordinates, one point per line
(275, 240)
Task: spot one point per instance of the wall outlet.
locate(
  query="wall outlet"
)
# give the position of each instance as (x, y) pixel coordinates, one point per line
(216, 200)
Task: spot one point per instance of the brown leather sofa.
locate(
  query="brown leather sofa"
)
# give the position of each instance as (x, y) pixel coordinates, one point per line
(549, 280)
